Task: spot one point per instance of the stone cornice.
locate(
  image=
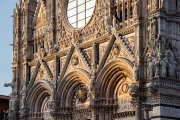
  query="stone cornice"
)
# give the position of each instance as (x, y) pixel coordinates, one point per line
(124, 114)
(167, 17)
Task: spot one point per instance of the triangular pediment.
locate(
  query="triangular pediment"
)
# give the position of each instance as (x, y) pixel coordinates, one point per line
(75, 63)
(118, 51)
(75, 60)
(116, 47)
(40, 14)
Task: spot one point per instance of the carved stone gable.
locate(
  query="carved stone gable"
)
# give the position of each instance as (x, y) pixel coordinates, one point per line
(40, 14)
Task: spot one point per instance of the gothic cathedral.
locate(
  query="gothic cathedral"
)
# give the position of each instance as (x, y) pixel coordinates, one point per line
(96, 60)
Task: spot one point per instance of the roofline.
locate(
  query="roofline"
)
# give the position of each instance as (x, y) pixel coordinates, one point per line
(4, 97)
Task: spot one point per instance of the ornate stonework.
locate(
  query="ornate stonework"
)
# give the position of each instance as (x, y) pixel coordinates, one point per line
(124, 61)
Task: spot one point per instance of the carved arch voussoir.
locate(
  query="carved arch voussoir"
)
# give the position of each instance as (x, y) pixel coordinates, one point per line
(111, 74)
(69, 83)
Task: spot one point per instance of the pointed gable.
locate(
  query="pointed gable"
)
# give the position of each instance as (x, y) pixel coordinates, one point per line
(40, 14)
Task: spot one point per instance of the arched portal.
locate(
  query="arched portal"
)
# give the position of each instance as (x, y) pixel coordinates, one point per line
(113, 86)
(38, 98)
(73, 95)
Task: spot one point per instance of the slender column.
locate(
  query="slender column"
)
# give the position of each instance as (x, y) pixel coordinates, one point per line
(138, 110)
(94, 112)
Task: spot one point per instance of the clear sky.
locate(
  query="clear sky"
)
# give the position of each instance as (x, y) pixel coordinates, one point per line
(6, 38)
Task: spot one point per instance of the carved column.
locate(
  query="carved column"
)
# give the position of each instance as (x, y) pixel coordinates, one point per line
(135, 100)
(94, 113)
(53, 106)
(108, 113)
(138, 109)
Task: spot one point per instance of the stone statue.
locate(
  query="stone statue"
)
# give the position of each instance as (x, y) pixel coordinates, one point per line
(163, 3)
(154, 28)
(116, 50)
(46, 47)
(23, 95)
(114, 22)
(15, 101)
(152, 87)
(136, 8)
(102, 24)
(107, 23)
(75, 60)
(155, 4)
(163, 65)
(50, 47)
(63, 33)
(54, 84)
(150, 68)
(133, 90)
(157, 66)
(15, 56)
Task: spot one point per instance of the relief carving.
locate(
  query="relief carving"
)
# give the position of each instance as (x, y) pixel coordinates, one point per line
(136, 8)
(75, 60)
(81, 93)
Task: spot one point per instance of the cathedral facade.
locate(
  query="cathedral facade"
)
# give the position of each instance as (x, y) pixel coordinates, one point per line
(95, 60)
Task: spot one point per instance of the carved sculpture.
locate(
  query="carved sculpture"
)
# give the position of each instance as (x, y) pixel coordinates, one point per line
(114, 22)
(23, 95)
(107, 23)
(116, 50)
(75, 60)
(136, 8)
(163, 3)
(81, 93)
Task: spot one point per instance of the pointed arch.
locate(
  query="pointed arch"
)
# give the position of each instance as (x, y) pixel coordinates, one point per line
(67, 86)
(111, 75)
(37, 97)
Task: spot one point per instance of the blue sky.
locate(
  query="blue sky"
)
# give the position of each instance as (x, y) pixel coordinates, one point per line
(6, 38)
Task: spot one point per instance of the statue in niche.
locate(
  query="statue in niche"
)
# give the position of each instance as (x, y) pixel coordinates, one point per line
(15, 53)
(163, 3)
(63, 33)
(14, 96)
(133, 90)
(163, 65)
(24, 50)
(152, 87)
(114, 22)
(54, 84)
(150, 68)
(136, 7)
(107, 23)
(75, 60)
(154, 28)
(157, 66)
(102, 24)
(171, 70)
(46, 47)
(50, 46)
(116, 50)
(55, 48)
(10, 101)
(155, 4)
(23, 95)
